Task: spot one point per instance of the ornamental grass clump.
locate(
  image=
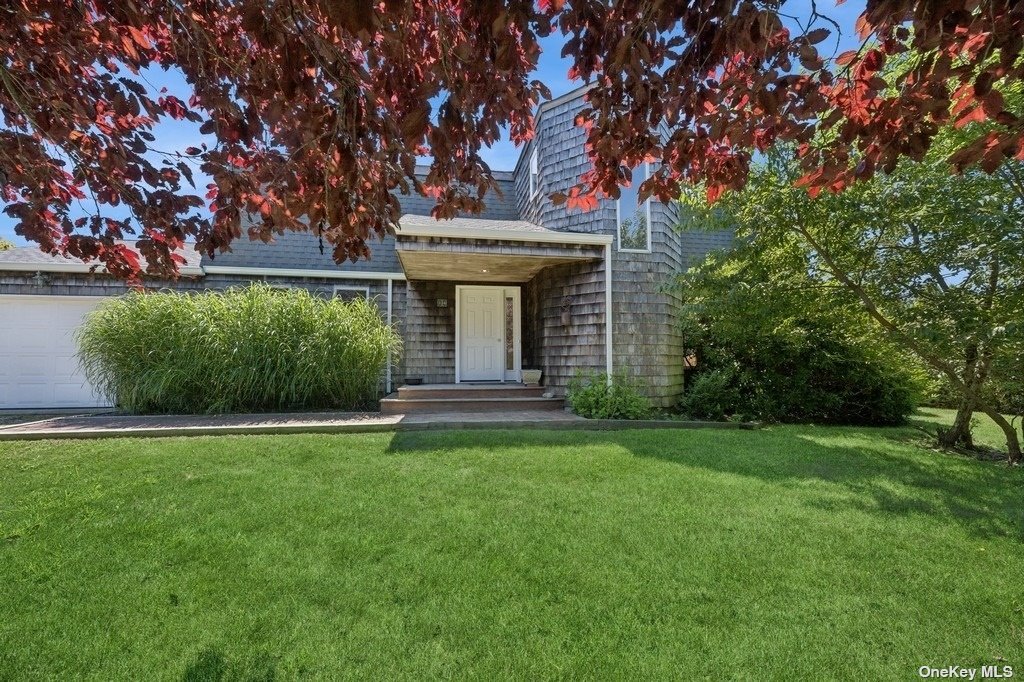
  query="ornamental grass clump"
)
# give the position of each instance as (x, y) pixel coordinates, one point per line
(245, 349)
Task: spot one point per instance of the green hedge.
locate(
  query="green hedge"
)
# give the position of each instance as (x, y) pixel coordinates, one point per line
(246, 349)
(819, 375)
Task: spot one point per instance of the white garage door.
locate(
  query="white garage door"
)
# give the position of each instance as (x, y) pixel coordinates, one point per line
(38, 367)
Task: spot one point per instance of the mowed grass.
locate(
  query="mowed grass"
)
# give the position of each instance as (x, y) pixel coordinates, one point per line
(986, 432)
(786, 553)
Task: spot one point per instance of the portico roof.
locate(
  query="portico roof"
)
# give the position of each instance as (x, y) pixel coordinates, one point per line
(480, 228)
(477, 250)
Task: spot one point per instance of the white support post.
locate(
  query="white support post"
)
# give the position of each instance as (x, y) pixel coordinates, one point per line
(608, 311)
(390, 290)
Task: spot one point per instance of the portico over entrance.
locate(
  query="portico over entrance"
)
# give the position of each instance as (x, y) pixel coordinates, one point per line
(487, 298)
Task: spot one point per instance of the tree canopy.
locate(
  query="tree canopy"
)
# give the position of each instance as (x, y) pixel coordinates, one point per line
(935, 260)
(320, 109)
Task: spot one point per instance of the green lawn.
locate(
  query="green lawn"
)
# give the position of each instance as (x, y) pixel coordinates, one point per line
(984, 430)
(789, 553)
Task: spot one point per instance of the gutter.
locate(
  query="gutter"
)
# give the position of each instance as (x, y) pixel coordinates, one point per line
(293, 272)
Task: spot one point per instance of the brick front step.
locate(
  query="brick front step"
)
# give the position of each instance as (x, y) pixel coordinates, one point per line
(469, 391)
(394, 404)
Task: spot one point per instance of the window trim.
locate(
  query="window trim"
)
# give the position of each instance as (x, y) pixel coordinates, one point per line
(618, 219)
(534, 173)
(350, 287)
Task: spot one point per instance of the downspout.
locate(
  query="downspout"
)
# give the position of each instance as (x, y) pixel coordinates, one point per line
(608, 311)
(390, 288)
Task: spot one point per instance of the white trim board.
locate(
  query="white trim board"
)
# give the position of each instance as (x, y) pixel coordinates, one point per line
(388, 381)
(608, 347)
(293, 272)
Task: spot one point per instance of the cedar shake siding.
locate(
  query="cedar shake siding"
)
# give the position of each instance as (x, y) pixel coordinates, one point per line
(430, 332)
(562, 347)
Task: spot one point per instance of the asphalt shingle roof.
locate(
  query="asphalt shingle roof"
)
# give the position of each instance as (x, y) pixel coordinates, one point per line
(419, 221)
(30, 256)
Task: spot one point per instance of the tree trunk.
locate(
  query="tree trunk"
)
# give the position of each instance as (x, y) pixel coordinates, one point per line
(1012, 440)
(960, 432)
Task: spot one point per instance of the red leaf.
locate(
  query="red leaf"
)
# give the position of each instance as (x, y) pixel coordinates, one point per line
(140, 38)
(873, 61)
(976, 114)
(846, 57)
(817, 35)
(863, 28)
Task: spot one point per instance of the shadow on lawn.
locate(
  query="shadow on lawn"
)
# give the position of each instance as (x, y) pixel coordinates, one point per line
(878, 471)
(211, 665)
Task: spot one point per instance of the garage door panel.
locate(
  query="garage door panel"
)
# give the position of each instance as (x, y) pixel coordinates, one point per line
(38, 367)
(34, 366)
(30, 394)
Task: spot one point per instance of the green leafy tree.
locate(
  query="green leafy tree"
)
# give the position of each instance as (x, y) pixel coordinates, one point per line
(5, 245)
(935, 260)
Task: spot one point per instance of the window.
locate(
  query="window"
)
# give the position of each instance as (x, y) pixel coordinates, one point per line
(634, 217)
(534, 174)
(510, 334)
(349, 292)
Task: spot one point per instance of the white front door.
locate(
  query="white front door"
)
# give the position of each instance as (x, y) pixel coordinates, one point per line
(488, 329)
(481, 334)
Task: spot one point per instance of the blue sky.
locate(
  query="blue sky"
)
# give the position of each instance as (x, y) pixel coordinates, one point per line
(553, 70)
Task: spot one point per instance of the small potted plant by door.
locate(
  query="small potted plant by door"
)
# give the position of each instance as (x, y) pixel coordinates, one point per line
(531, 377)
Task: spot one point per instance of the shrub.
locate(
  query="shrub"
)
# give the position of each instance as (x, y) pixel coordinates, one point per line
(246, 349)
(592, 397)
(818, 375)
(774, 346)
(713, 395)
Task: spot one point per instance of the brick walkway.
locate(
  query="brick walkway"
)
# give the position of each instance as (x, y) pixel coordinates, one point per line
(112, 425)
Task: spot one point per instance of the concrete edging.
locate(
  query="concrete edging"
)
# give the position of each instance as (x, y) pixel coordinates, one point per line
(370, 427)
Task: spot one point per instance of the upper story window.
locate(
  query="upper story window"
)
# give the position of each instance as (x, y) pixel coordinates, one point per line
(634, 217)
(534, 174)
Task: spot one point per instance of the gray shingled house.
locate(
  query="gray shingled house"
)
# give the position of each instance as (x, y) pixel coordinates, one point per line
(526, 284)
